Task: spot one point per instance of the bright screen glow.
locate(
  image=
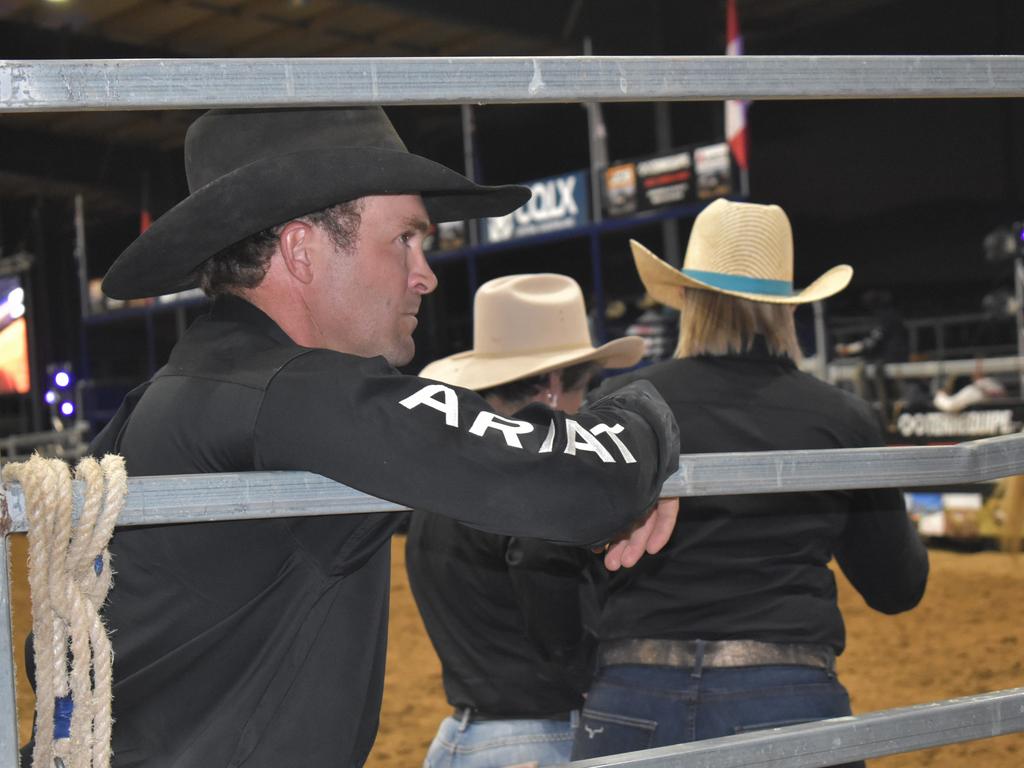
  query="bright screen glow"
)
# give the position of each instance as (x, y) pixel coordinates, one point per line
(14, 371)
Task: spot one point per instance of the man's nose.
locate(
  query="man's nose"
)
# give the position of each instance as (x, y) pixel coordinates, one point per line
(422, 277)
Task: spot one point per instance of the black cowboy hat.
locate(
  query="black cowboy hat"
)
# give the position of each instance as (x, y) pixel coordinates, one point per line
(253, 169)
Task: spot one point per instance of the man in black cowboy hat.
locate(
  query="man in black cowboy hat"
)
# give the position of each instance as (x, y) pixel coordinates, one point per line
(261, 643)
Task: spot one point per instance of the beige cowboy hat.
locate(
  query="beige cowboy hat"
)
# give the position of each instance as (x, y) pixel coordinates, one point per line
(740, 249)
(526, 325)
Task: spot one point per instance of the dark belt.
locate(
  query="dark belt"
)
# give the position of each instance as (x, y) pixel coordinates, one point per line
(688, 654)
(469, 715)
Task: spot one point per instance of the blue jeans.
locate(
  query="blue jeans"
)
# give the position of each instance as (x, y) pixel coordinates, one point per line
(632, 707)
(501, 743)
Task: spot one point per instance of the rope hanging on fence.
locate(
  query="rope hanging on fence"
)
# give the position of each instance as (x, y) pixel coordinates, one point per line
(69, 576)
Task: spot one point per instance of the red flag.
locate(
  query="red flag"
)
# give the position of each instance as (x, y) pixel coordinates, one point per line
(735, 111)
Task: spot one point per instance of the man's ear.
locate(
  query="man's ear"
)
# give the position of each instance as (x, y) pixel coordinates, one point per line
(295, 241)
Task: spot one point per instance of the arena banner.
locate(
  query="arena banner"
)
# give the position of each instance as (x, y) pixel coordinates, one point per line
(446, 236)
(685, 175)
(712, 168)
(923, 427)
(558, 203)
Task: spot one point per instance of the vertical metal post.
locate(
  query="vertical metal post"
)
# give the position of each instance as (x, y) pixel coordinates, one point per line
(8, 695)
(597, 134)
(80, 254)
(820, 341)
(599, 331)
(672, 253)
(471, 162)
(598, 143)
(1018, 292)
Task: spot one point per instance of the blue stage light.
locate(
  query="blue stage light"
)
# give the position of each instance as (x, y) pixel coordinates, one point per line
(67, 408)
(50, 397)
(62, 379)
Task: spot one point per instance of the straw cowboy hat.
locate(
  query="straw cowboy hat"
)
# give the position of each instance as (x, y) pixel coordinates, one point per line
(249, 170)
(740, 249)
(526, 325)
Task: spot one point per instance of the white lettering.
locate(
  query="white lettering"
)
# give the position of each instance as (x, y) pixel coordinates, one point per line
(510, 428)
(663, 164)
(448, 405)
(613, 432)
(575, 430)
(549, 440)
(969, 424)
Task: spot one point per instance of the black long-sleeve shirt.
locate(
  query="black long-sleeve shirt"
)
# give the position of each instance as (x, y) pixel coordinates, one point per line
(505, 615)
(262, 643)
(755, 566)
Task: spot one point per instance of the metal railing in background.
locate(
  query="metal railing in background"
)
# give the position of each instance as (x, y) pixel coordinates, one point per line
(69, 443)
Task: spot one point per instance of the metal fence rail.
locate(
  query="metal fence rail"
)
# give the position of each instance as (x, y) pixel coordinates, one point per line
(211, 497)
(924, 369)
(251, 495)
(121, 84)
(830, 742)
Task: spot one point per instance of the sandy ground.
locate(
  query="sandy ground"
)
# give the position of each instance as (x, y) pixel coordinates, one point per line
(966, 637)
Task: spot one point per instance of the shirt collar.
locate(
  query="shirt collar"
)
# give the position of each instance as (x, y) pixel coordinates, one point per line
(236, 309)
(758, 352)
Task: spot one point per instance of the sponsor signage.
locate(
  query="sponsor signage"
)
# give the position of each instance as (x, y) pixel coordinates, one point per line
(966, 425)
(557, 203)
(712, 166)
(685, 175)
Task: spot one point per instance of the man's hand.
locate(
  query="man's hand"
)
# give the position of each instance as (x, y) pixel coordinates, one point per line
(650, 536)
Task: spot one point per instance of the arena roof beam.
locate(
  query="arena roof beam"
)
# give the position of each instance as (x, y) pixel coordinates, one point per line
(252, 495)
(122, 84)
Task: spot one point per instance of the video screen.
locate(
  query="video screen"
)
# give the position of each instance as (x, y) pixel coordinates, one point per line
(14, 369)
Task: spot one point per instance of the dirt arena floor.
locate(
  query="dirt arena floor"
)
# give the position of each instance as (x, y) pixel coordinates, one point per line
(966, 637)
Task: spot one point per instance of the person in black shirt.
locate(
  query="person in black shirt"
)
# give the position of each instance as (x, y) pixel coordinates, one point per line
(734, 626)
(262, 643)
(506, 613)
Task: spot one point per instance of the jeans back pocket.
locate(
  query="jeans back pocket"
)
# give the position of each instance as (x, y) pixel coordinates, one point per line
(604, 733)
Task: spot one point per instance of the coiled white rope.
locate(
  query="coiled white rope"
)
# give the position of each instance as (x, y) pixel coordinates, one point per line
(69, 577)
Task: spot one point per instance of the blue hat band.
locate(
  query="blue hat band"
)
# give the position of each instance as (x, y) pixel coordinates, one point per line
(741, 283)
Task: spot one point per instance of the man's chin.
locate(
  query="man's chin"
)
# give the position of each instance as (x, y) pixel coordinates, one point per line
(402, 355)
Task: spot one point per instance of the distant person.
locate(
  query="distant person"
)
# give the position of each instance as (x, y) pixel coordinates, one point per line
(506, 614)
(888, 341)
(656, 326)
(734, 626)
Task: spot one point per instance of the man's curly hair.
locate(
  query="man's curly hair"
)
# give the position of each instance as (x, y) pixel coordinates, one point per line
(244, 264)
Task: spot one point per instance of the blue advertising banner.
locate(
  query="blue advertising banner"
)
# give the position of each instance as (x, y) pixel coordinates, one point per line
(558, 202)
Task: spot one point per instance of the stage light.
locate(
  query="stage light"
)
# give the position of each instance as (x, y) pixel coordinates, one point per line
(62, 379)
(67, 408)
(50, 397)
(1004, 242)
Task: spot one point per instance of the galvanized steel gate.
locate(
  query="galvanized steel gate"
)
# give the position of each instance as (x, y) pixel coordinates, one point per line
(95, 85)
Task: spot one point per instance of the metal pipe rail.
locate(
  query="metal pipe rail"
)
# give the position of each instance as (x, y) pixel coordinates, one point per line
(924, 369)
(123, 84)
(840, 740)
(160, 500)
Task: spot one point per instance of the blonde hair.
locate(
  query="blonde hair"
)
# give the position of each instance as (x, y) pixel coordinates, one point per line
(715, 323)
